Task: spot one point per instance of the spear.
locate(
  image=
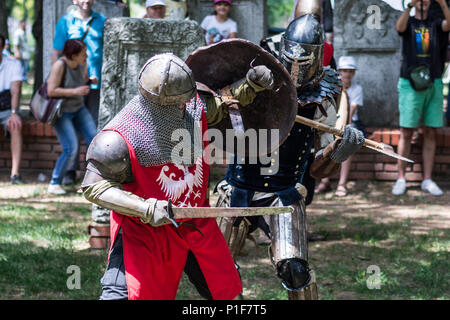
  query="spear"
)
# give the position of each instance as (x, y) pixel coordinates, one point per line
(373, 145)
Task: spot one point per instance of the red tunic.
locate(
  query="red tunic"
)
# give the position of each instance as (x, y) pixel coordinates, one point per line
(155, 257)
(327, 54)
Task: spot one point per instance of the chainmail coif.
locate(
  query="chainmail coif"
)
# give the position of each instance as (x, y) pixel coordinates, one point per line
(148, 127)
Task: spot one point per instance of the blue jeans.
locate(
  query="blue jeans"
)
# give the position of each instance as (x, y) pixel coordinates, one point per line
(66, 130)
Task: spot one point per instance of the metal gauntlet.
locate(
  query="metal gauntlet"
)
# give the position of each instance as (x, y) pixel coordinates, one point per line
(109, 195)
(351, 142)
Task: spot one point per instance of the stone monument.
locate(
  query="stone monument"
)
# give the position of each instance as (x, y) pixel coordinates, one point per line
(365, 29)
(250, 16)
(128, 44)
(55, 9)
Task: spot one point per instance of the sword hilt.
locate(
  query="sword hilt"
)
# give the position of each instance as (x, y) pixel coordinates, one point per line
(171, 215)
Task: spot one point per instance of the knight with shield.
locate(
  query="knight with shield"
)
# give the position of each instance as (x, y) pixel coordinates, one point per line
(305, 152)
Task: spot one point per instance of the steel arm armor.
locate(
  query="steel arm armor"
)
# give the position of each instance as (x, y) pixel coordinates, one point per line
(108, 167)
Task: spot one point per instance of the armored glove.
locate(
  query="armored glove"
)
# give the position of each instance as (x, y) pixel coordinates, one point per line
(351, 142)
(260, 78)
(157, 214)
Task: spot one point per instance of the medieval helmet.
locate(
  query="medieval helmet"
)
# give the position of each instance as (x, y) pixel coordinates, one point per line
(166, 80)
(302, 45)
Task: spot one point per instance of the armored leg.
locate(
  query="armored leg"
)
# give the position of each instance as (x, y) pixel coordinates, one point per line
(289, 253)
(234, 230)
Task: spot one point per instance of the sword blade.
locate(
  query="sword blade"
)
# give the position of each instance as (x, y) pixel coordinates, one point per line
(187, 213)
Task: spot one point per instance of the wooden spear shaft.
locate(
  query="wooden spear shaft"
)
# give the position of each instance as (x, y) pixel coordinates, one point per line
(335, 131)
(377, 146)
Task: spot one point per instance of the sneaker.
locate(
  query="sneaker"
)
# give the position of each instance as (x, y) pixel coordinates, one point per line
(429, 186)
(399, 187)
(56, 189)
(16, 179)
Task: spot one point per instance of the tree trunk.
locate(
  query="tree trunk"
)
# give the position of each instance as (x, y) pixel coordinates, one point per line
(37, 33)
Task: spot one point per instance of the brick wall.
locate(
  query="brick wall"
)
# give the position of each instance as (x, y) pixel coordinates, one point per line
(41, 149)
(368, 164)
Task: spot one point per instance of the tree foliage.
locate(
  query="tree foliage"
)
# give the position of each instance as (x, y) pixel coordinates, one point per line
(279, 12)
(19, 9)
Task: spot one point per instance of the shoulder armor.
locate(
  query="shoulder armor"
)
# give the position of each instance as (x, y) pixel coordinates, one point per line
(272, 44)
(108, 155)
(329, 87)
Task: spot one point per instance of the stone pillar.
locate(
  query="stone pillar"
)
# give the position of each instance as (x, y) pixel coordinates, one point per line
(55, 9)
(250, 16)
(130, 43)
(365, 29)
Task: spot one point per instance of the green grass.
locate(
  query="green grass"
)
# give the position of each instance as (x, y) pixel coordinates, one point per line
(37, 247)
(27, 91)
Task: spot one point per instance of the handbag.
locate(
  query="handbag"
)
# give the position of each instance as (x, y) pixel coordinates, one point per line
(44, 108)
(420, 77)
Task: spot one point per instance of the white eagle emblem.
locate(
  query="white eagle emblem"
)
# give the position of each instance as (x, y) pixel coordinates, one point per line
(174, 189)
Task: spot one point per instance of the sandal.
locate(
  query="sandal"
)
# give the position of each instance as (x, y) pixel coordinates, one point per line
(322, 188)
(341, 190)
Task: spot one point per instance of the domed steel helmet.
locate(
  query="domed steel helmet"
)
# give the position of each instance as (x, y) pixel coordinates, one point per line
(301, 49)
(166, 80)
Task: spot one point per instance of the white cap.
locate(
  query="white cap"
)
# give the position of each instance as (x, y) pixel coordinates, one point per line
(151, 3)
(347, 62)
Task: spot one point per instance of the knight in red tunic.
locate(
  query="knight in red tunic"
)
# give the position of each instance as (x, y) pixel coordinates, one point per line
(135, 168)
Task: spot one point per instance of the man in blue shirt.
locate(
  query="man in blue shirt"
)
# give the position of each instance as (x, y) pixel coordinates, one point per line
(89, 25)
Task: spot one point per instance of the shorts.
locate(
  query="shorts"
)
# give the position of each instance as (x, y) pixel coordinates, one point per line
(4, 116)
(416, 105)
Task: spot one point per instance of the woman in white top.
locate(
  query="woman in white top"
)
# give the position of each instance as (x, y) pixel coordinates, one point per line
(219, 26)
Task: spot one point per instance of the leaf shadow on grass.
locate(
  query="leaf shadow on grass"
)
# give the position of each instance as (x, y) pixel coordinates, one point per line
(28, 271)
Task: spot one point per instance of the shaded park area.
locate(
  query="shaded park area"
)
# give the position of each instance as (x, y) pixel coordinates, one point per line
(407, 238)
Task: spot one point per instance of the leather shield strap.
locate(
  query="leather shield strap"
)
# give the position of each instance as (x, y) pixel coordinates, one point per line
(233, 109)
(204, 88)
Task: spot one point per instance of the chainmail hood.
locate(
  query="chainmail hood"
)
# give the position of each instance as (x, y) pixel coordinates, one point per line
(150, 128)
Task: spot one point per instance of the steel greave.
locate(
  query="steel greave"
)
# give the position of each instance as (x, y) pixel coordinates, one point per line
(289, 235)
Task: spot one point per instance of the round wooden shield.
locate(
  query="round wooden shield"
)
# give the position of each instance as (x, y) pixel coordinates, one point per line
(221, 64)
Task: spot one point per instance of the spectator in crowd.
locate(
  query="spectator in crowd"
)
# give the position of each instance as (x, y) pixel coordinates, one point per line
(68, 78)
(10, 90)
(83, 22)
(420, 86)
(6, 50)
(156, 9)
(219, 25)
(22, 48)
(347, 68)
